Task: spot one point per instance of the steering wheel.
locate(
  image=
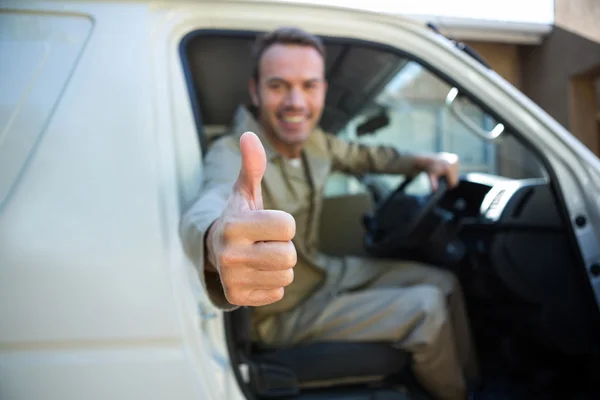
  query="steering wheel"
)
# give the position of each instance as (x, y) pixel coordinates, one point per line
(403, 219)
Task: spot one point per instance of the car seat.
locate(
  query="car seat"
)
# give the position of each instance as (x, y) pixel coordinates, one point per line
(287, 372)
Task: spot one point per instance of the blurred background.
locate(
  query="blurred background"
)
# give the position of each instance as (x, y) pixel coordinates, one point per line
(549, 49)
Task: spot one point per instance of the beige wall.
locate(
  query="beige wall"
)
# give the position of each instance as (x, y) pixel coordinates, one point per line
(548, 81)
(582, 17)
(579, 16)
(559, 75)
(503, 58)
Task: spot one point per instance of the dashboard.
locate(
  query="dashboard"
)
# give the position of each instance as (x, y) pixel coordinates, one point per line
(509, 242)
(517, 234)
(493, 200)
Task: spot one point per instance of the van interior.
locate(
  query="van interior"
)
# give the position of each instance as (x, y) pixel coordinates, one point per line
(503, 231)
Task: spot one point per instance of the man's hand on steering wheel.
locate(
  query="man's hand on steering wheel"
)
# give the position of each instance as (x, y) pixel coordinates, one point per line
(440, 165)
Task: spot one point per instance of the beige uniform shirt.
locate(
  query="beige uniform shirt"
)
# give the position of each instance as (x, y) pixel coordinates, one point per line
(294, 186)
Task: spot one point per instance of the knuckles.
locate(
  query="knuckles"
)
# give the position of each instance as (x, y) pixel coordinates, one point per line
(229, 229)
(244, 297)
(268, 296)
(230, 279)
(288, 277)
(239, 225)
(288, 230)
(289, 256)
(236, 298)
(228, 257)
(243, 258)
(275, 295)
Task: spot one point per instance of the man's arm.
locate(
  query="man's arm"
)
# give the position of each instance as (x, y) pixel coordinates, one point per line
(220, 170)
(245, 254)
(356, 159)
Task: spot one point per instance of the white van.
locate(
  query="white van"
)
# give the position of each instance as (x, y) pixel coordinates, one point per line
(106, 109)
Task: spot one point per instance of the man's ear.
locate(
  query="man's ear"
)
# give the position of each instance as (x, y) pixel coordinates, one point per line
(253, 89)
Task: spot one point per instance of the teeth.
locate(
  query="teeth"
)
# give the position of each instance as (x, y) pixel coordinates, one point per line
(293, 120)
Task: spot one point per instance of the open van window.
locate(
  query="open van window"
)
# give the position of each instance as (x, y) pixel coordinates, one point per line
(418, 117)
(503, 230)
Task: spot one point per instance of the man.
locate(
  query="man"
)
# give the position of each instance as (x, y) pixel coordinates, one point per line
(252, 231)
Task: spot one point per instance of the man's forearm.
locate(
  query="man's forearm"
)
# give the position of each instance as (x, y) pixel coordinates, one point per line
(420, 162)
(357, 159)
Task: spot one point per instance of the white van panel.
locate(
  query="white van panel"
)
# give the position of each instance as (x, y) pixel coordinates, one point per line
(96, 295)
(38, 53)
(97, 375)
(88, 205)
(88, 208)
(88, 304)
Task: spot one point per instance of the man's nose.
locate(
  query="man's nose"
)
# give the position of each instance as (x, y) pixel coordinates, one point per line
(295, 98)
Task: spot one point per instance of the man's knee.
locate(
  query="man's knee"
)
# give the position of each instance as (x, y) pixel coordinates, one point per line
(445, 280)
(403, 272)
(433, 303)
(448, 282)
(433, 312)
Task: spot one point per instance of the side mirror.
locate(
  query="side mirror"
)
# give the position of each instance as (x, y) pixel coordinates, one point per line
(454, 104)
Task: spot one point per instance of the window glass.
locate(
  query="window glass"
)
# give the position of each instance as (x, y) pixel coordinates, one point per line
(415, 103)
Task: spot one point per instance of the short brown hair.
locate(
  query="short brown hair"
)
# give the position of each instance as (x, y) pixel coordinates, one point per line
(283, 35)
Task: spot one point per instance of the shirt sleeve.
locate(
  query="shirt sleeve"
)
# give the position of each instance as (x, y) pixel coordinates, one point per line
(356, 158)
(221, 168)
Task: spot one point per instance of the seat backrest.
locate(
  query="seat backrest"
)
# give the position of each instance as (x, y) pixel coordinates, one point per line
(340, 235)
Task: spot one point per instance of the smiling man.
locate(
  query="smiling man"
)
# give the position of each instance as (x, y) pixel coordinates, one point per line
(252, 232)
(288, 87)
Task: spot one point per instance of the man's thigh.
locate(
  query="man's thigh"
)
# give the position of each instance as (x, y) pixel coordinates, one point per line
(407, 316)
(395, 273)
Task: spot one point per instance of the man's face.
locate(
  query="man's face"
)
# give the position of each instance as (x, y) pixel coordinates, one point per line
(290, 92)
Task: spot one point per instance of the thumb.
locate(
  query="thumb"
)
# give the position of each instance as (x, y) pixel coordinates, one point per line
(254, 164)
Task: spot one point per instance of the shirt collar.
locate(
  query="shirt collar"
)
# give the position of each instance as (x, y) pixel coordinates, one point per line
(245, 121)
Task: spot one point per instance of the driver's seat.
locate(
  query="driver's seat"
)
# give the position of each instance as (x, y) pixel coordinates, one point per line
(282, 373)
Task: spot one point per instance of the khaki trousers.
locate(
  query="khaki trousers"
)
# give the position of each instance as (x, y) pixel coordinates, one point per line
(415, 307)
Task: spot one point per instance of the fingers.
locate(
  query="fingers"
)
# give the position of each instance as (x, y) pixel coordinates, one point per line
(433, 178)
(257, 298)
(255, 274)
(263, 297)
(252, 247)
(254, 164)
(451, 176)
(444, 165)
(453, 179)
(259, 225)
(451, 167)
(257, 288)
(263, 280)
(262, 256)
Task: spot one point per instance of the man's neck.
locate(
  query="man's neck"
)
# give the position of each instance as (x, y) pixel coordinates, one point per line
(289, 151)
(286, 150)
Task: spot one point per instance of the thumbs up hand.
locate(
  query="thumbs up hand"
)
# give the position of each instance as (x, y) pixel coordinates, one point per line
(252, 248)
